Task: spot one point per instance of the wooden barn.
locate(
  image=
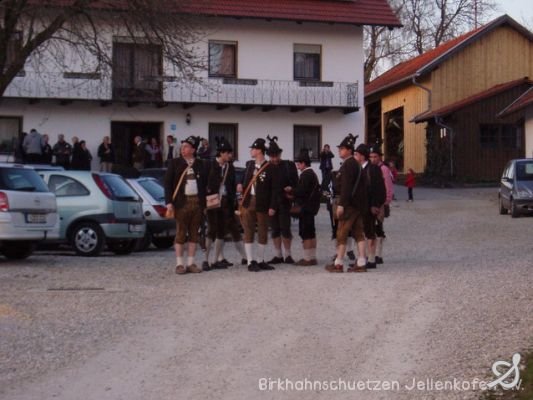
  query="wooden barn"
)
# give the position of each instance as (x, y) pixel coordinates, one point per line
(442, 111)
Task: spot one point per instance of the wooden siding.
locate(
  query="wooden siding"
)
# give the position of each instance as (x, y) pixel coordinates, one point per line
(498, 57)
(415, 101)
(473, 161)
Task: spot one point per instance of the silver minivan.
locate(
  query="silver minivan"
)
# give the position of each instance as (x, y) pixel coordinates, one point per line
(28, 211)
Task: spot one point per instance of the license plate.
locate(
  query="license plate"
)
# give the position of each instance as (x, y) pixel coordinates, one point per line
(136, 228)
(36, 218)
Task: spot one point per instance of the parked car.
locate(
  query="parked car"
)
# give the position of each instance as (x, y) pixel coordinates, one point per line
(516, 187)
(28, 211)
(96, 209)
(157, 173)
(159, 230)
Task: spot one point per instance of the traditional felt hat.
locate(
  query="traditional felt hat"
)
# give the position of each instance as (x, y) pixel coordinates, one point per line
(273, 148)
(349, 141)
(260, 144)
(303, 157)
(363, 150)
(194, 141)
(376, 147)
(223, 146)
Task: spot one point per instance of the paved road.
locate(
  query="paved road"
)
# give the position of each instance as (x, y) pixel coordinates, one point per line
(455, 295)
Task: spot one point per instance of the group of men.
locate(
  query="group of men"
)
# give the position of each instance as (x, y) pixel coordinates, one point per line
(270, 191)
(270, 195)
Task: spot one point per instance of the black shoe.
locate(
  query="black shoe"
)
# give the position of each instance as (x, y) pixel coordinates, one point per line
(206, 267)
(226, 262)
(254, 267)
(276, 260)
(265, 267)
(379, 260)
(371, 265)
(351, 255)
(219, 265)
(244, 261)
(289, 260)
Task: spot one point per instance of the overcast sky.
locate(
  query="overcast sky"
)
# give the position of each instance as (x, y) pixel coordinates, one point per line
(521, 10)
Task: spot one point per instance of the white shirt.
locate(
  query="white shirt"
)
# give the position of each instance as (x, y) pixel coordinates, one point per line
(257, 168)
(191, 185)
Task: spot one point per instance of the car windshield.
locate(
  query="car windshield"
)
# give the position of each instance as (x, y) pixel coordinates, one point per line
(21, 179)
(524, 171)
(153, 188)
(120, 189)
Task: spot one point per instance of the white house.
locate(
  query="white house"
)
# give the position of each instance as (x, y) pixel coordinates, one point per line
(288, 68)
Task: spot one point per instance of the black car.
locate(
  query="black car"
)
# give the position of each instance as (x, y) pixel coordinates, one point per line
(516, 187)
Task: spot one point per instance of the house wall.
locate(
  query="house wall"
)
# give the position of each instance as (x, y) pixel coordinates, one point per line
(415, 101)
(265, 52)
(500, 56)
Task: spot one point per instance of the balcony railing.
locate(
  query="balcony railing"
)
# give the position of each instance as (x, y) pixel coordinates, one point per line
(249, 92)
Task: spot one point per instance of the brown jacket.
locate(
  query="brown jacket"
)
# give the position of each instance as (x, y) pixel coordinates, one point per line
(174, 171)
(348, 176)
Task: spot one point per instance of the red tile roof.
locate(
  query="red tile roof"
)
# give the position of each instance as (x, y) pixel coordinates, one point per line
(354, 12)
(520, 103)
(431, 59)
(485, 94)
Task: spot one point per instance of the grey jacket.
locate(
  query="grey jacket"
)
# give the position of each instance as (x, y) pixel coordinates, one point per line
(33, 143)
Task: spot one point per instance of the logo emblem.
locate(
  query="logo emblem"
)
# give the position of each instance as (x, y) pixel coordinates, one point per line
(502, 378)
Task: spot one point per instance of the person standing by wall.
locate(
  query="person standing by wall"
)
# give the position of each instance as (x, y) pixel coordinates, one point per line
(171, 150)
(139, 153)
(186, 177)
(307, 195)
(62, 151)
(47, 151)
(153, 152)
(259, 202)
(33, 147)
(204, 151)
(76, 161)
(106, 152)
(280, 223)
(326, 166)
(85, 157)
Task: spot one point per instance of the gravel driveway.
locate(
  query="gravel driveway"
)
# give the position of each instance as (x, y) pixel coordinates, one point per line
(455, 295)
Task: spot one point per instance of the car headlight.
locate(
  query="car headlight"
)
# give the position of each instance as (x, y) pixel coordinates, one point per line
(523, 194)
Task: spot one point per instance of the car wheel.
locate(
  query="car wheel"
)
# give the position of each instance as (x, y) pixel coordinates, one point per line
(18, 250)
(87, 239)
(144, 243)
(163, 242)
(503, 210)
(514, 211)
(123, 247)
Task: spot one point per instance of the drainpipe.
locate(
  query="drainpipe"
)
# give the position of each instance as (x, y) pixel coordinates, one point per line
(427, 90)
(438, 121)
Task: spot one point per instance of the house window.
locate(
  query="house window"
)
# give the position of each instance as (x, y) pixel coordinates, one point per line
(137, 70)
(223, 59)
(307, 62)
(500, 135)
(309, 138)
(228, 131)
(10, 134)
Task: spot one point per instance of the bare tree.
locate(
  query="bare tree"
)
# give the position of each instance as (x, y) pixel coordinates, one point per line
(426, 25)
(79, 34)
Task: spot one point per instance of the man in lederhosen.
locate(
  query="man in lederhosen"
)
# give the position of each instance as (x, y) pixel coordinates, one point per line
(221, 180)
(375, 158)
(280, 223)
(351, 204)
(375, 188)
(189, 202)
(260, 200)
(307, 194)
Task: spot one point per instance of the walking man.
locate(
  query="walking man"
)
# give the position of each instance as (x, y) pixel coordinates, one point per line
(185, 183)
(260, 193)
(280, 223)
(350, 207)
(375, 189)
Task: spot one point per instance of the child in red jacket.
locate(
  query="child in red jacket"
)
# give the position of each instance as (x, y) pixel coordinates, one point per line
(410, 183)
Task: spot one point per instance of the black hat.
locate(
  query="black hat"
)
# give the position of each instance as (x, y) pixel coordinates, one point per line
(349, 141)
(303, 157)
(223, 146)
(376, 147)
(194, 141)
(273, 148)
(259, 144)
(363, 150)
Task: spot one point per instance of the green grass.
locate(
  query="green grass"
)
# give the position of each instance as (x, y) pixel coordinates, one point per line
(526, 388)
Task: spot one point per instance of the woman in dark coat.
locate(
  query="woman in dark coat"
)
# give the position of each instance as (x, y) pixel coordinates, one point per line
(85, 157)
